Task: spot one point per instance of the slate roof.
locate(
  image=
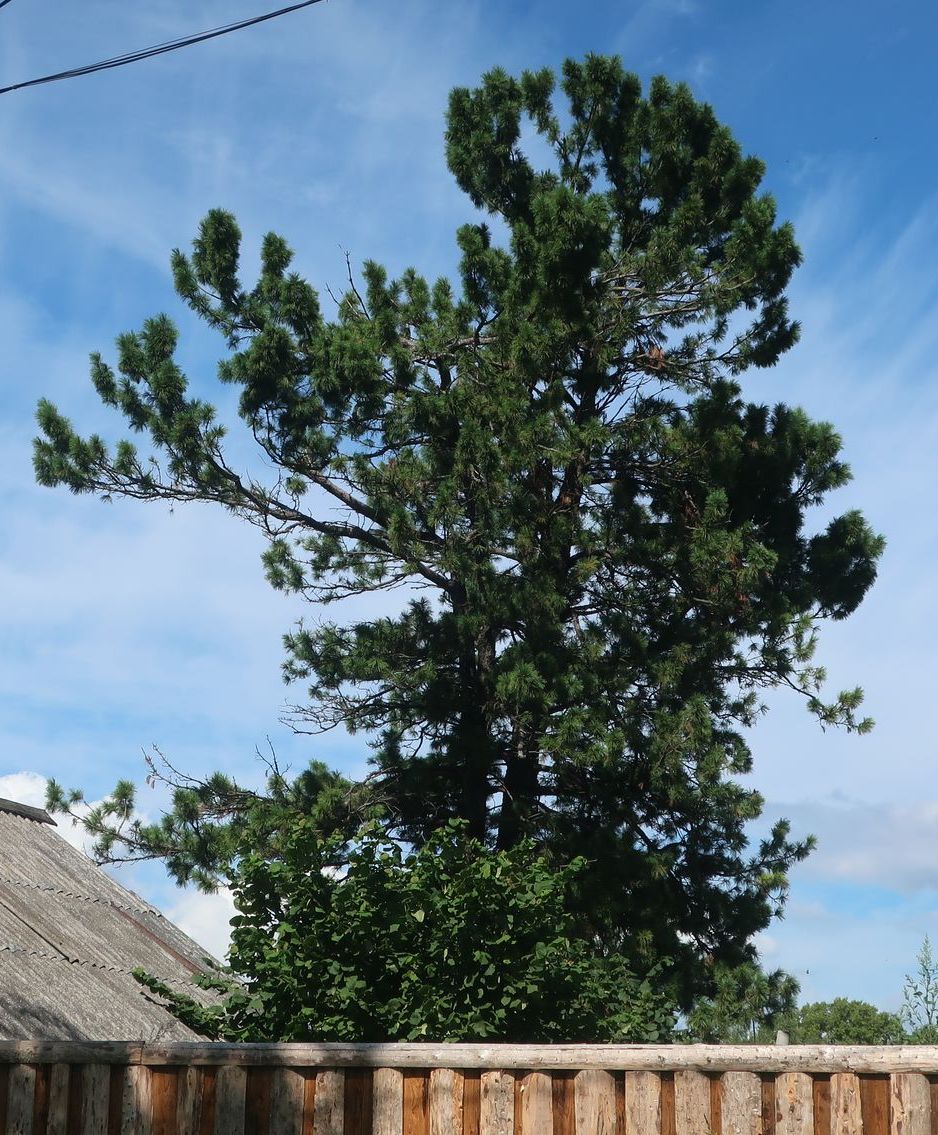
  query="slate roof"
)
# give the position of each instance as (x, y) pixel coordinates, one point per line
(69, 937)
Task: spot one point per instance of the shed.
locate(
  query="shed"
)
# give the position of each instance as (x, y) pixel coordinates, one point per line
(70, 937)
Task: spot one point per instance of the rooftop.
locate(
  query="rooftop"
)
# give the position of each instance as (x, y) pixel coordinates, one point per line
(70, 936)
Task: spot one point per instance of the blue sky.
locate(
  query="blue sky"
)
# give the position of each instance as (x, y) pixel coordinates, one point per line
(124, 625)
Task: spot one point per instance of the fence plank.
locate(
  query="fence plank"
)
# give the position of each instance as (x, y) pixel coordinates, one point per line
(21, 1091)
(309, 1101)
(188, 1101)
(874, 1102)
(416, 1103)
(135, 1099)
(741, 1103)
(329, 1101)
(446, 1090)
(794, 1104)
(822, 1104)
(209, 1077)
(497, 1103)
(286, 1102)
(359, 1101)
(642, 1104)
(230, 1086)
(594, 1095)
(471, 1103)
(41, 1099)
(257, 1089)
(57, 1110)
(164, 1084)
(910, 1113)
(388, 1096)
(536, 1113)
(95, 1098)
(691, 1103)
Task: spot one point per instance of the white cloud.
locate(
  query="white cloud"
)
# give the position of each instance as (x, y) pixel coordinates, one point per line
(205, 918)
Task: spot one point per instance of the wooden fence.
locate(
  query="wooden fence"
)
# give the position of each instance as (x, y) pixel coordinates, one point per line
(52, 1088)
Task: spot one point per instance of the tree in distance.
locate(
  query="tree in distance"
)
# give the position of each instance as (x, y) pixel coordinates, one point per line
(610, 553)
(845, 1021)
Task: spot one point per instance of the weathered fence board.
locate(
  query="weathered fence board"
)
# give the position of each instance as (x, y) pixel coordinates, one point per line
(691, 1103)
(388, 1096)
(22, 1090)
(910, 1104)
(329, 1105)
(497, 1103)
(642, 1103)
(741, 1104)
(446, 1101)
(536, 1111)
(502, 1090)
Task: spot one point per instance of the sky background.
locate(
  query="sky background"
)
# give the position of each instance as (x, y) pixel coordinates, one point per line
(125, 625)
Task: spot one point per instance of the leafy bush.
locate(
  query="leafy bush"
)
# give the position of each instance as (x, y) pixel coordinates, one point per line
(450, 942)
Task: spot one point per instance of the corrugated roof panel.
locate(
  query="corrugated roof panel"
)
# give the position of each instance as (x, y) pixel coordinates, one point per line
(43, 997)
(69, 937)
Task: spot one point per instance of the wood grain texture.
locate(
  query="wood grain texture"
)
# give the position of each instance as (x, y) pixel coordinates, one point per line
(716, 1105)
(230, 1087)
(595, 1100)
(41, 1099)
(359, 1101)
(768, 1104)
(329, 1102)
(57, 1111)
(741, 1104)
(135, 1104)
(188, 1101)
(691, 1103)
(910, 1104)
(874, 1104)
(207, 1110)
(846, 1109)
(309, 1101)
(164, 1083)
(416, 1103)
(563, 1098)
(535, 1110)
(4, 1084)
(794, 1104)
(497, 1103)
(827, 1059)
(95, 1099)
(642, 1103)
(446, 1093)
(257, 1091)
(471, 1103)
(822, 1104)
(286, 1102)
(668, 1119)
(21, 1091)
(388, 1097)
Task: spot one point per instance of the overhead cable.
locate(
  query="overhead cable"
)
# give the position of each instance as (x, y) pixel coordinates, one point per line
(157, 49)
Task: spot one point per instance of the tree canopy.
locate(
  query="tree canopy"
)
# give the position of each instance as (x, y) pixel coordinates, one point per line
(608, 553)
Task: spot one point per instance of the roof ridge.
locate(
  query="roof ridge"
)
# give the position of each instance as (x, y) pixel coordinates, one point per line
(26, 812)
(143, 908)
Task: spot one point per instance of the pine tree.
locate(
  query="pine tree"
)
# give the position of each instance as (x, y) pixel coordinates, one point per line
(613, 545)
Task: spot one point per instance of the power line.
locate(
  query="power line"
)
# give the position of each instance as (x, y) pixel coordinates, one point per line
(157, 49)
